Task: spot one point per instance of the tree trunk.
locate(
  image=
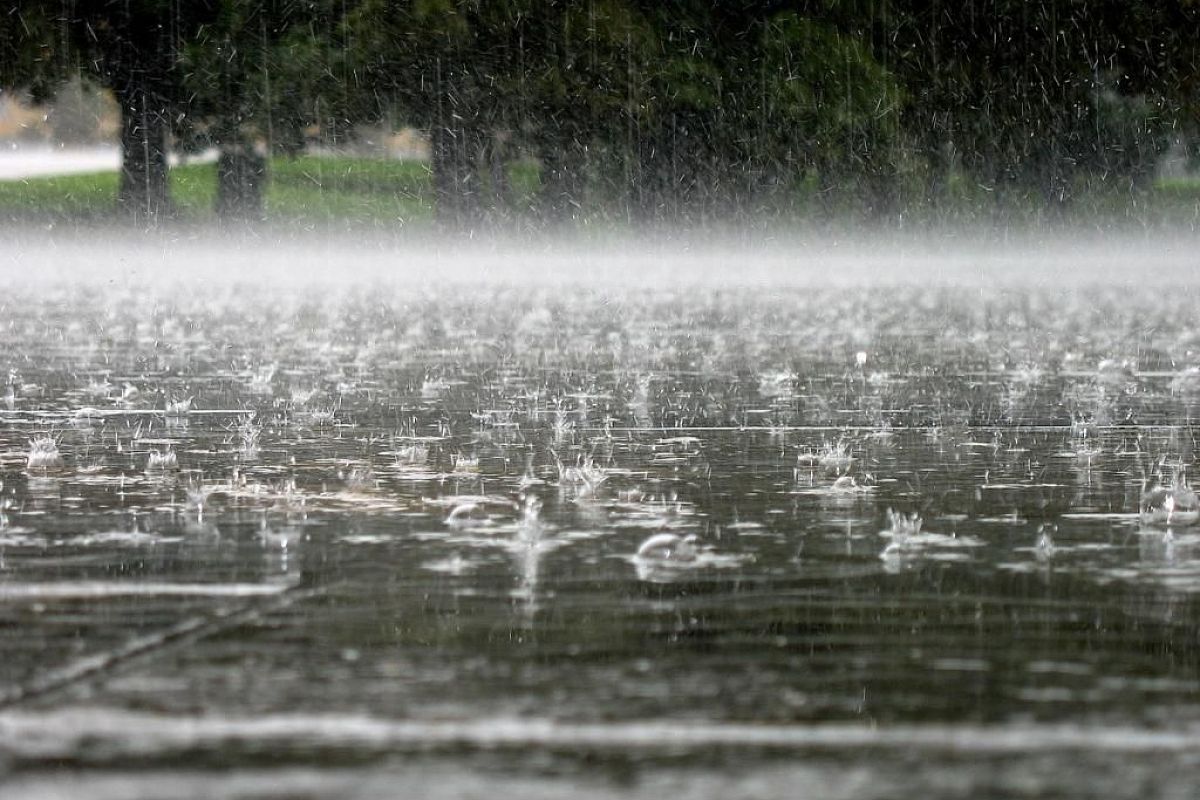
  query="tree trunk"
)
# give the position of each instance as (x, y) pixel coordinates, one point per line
(939, 158)
(455, 175)
(655, 193)
(879, 191)
(143, 190)
(241, 178)
(495, 156)
(831, 179)
(559, 194)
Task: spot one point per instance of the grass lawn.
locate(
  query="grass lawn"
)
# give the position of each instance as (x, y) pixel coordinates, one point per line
(335, 189)
(303, 190)
(345, 191)
(69, 196)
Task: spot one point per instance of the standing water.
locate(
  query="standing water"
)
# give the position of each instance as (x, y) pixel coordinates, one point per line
(505, 538)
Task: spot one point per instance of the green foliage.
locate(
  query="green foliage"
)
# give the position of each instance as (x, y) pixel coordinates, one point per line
(261, 72)
(34, 53)
(824, 99)
(676, 109)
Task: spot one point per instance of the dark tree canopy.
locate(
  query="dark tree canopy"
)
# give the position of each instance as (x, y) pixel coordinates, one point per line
(686, 109)
(131, 47)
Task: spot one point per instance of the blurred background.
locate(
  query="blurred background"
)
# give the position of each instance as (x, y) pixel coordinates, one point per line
(620, 113)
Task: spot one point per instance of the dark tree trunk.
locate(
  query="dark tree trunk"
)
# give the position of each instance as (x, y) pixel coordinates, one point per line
(495, 157)
(1046, 172)
(831, 177)
(241, 178)
(939, 158)
(560, 191)
(654, 190)
(879, 192)
(455, 175)
(143, 190)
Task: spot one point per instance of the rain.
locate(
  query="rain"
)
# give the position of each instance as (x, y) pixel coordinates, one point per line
(608, 398)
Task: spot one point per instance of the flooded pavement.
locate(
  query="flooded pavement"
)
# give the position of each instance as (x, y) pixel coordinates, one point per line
(495, 541)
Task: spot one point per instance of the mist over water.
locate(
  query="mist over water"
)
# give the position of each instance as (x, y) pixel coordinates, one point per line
(767, 258)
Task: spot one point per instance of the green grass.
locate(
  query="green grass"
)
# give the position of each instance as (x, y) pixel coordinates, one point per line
(93, 196)
(67, 196)
(336, 189)
(1180, 188)
(343, 191)
(194, 190)
(303, 190)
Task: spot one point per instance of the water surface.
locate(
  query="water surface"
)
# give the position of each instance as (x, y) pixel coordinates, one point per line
(353, 539)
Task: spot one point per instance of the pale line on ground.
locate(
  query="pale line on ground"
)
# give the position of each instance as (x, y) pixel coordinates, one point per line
(57, 733)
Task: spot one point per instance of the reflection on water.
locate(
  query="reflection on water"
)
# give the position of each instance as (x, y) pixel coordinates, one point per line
(755, 515)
